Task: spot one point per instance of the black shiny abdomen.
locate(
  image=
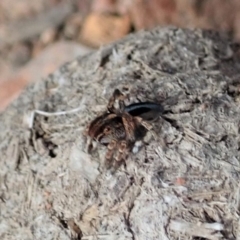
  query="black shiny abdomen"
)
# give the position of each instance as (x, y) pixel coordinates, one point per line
(146, 110)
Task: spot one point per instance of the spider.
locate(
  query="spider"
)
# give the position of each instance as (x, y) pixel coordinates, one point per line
(122, 129)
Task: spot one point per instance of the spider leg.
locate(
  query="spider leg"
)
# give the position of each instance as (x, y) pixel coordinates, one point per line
(147, 126)
(122, 150)
(110, 151)
(117, 95)
(121, 154)
(129, 126)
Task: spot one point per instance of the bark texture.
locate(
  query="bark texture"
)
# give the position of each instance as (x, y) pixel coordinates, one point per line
(185, 185)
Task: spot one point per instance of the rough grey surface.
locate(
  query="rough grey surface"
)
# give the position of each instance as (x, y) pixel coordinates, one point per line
(183, 186)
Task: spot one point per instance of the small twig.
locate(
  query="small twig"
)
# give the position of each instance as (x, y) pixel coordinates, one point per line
(50, 114)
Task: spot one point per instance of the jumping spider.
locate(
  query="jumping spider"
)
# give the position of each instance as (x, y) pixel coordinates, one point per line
(122, 129)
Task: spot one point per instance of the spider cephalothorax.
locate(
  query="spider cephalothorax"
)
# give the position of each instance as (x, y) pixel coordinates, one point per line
(120, 128)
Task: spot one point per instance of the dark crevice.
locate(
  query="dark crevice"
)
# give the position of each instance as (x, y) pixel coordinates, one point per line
(172, 122)
(62, 222)
(18, 162)
(38, 133)
(52, 153)
(127, 221)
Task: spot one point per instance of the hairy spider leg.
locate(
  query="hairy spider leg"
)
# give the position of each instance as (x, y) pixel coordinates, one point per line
(129, 126)
(121, 154)
(117, 95)
(147, 126)
(122, 151)
(110, 151)
(119, 150)
(90, 131)
(94, 127)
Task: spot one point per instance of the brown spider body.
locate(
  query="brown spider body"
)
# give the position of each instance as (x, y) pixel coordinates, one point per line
(106, 128)
(118, 129)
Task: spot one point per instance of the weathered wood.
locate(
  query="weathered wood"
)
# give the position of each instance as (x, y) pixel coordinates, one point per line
(182, 186)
